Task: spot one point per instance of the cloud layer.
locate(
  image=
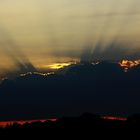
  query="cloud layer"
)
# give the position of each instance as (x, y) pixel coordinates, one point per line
(42, 32)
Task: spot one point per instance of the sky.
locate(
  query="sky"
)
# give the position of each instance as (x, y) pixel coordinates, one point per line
(42, 32)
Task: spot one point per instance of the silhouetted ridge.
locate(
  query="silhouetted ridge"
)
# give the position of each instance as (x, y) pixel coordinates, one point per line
(102, 88)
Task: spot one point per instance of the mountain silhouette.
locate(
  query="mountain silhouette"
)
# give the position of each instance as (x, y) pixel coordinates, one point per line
(103, 89)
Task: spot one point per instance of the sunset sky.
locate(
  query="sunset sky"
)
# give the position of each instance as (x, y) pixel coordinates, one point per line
(42, 32)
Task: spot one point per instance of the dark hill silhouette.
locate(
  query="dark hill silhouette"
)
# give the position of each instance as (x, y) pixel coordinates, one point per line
(85, 125)
(104, 88)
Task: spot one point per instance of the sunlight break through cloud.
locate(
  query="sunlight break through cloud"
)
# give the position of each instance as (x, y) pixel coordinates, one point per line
(34, 33)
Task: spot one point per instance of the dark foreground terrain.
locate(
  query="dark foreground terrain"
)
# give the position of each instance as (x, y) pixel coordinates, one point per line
(88, 125)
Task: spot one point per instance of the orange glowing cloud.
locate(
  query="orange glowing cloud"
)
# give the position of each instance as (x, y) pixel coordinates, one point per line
(126, 64)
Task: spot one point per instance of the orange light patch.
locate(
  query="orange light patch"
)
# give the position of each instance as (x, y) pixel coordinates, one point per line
(114, 118)
(22, 122)
(126, 64)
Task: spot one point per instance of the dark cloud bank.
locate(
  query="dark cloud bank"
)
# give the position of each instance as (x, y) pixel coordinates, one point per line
(104, 88)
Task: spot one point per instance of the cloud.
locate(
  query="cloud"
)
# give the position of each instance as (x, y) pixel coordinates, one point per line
(108, 15)
(14, 52)
(114, 51)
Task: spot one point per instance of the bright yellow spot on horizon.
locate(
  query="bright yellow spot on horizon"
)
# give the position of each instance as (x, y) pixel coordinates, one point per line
(59, 65)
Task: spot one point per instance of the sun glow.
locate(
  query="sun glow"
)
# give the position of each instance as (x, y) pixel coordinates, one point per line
(57, 66)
